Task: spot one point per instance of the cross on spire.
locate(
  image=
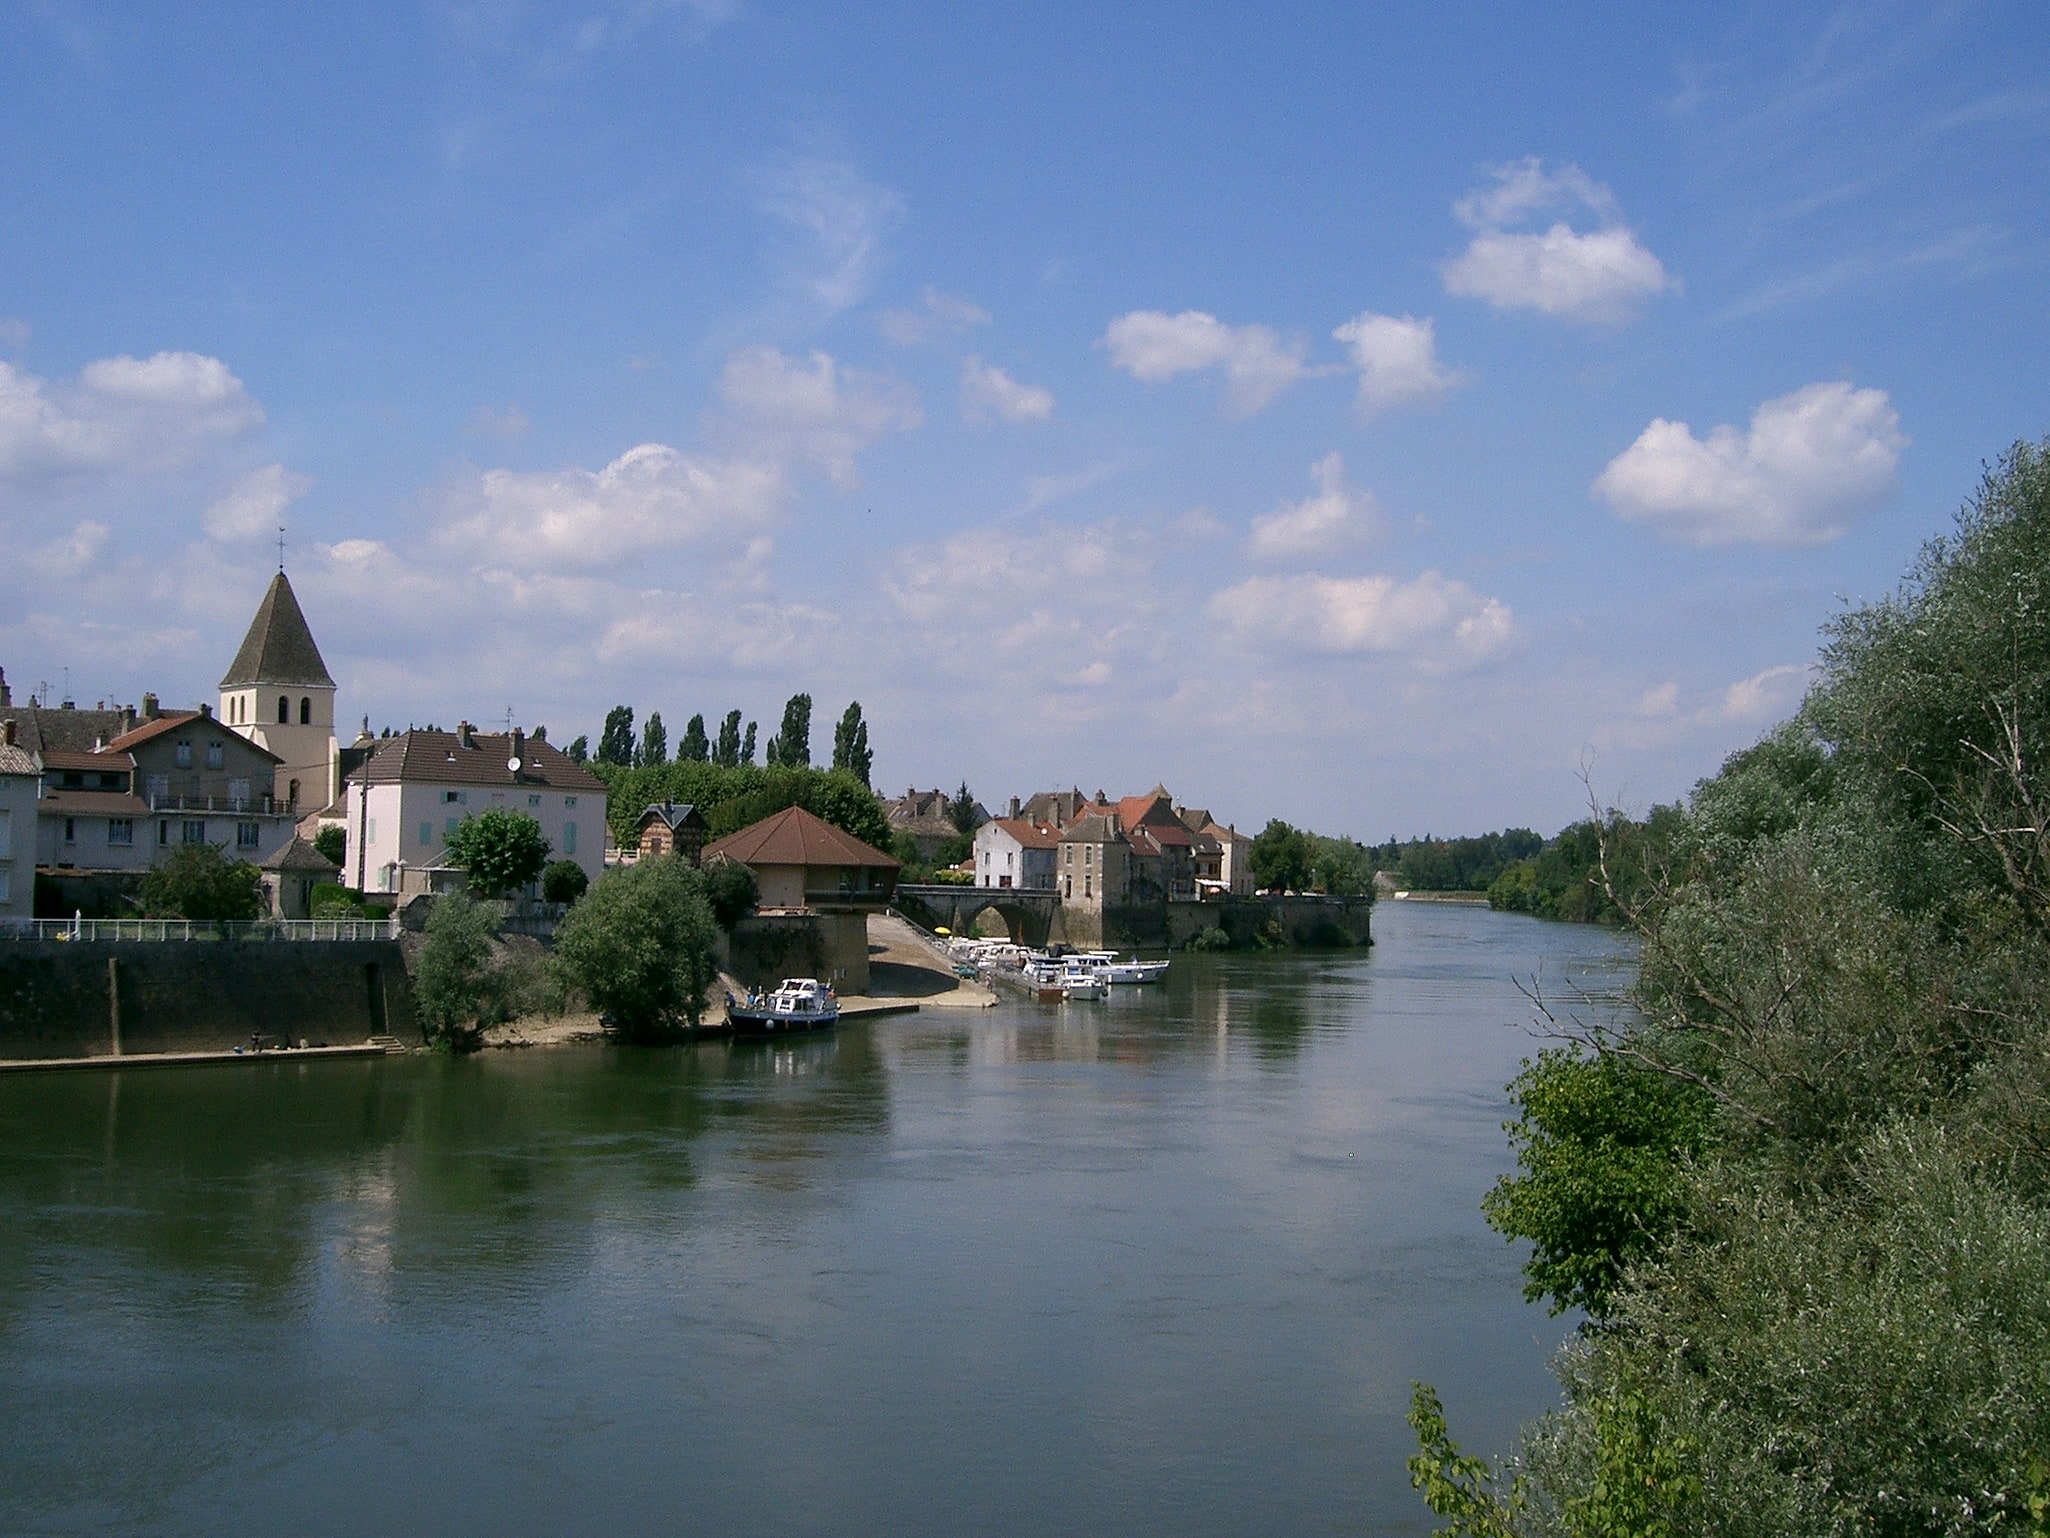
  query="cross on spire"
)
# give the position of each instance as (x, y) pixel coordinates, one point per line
(281, 547)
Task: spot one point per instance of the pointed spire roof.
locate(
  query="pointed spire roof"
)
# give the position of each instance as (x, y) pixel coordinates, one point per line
(279, 648)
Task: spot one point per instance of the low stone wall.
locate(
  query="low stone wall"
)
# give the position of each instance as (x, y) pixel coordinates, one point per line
(91, 999)
(1305, 921)
(765, 948)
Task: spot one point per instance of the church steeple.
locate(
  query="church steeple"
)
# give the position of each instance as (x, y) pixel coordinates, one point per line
(279, 648)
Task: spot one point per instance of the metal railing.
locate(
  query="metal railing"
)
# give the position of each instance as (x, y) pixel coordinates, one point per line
(85, 930)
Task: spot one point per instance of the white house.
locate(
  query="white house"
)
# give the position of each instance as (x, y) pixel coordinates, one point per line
(1016, 852)
(20, 777)
(414, 789)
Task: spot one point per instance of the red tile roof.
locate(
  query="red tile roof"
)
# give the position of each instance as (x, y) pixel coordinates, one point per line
(795, 837)
(187, 720)
(441, 758)
(1029, 834)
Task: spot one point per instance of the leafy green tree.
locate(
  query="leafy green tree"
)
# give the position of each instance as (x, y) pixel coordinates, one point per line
(747, 745)
(642, 947)
(563, 881)
(850, 744)
(616, 742)
(963, 813)
(579, 749)
(450, 979)
(731, 890)
(694, 749)
(792, 744)
(503, 851)
(1282, 858)
(1341, 868)
(654, 748)
(333, 843)
(727, 753)
(199, 881)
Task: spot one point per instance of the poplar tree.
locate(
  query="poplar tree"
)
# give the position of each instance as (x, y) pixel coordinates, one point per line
(693, 749)
(850, 744)
(654, 741)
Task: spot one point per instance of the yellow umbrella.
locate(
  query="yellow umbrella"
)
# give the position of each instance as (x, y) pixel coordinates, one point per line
(943, 930)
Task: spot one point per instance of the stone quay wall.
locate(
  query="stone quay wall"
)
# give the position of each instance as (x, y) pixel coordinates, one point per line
(100, 998)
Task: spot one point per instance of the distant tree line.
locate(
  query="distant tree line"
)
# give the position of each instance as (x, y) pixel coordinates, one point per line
(1430, 864)
(732, 747)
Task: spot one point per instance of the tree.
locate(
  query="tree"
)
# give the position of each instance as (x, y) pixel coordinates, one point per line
(654, 747)
(731, 890)
(563, 881)
(642, 947)
(1282, 857)
(579, 749)
(792, 744)
(963, 813)
(850, 744)
(694, 749)
(727, 754)
(747, 745)
(503, 851)
(199, 881)
(450, 983)
(333, 842)
(616, 742)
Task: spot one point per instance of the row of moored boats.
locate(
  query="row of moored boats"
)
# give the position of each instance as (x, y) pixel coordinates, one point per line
(1066, 974)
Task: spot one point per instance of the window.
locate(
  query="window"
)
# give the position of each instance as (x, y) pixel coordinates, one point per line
(426, 834)
(159, 786)
(164, 832)
(305, 711)
(569, 803)
(213, 755)
(284, 711)
(1088, 854)
(448, 828)
(1085, 886)
(71, 830)
(238, 792)
(292, 793)
(183, 754)
(369, 832)
(533, 800)
(246, 834)
(569, 838)
(195, 831)
(6, 834)
(455, 798)
(6, 886)
(121, 830)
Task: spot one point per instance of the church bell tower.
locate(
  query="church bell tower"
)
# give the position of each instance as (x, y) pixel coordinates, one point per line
(278, 694)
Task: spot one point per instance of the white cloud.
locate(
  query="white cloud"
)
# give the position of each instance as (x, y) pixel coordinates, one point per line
(1397, 358)
(936, 315)
(73, 553)
(1257, 363)
(1765, 697)
(121, 415)
(1439, 623)
(1338, 517)
(836, 222)
(251, 506)
(1811, 462)
(985, 388)
(511, 424)
(782, 408)
(1598, 276)
(646, 503)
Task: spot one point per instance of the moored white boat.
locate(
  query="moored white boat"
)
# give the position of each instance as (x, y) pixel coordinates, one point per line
(798, 1004)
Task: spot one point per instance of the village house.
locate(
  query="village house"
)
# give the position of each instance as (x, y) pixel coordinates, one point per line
(926, 817)
(289, 877)
(802, 861)
(666, 828)
(20, 779)
(415, 788)
(1016, 852)
(1222, 855)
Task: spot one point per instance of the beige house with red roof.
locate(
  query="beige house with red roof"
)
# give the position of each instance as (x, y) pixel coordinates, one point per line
(1016, 852)
(802, 861)
(413, 790)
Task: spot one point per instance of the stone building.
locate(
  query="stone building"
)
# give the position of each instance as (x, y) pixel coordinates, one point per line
(278, 694)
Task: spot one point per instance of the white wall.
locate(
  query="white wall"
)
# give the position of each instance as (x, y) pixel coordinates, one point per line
(397, 815)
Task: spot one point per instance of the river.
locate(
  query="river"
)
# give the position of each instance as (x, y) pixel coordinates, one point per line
(1160, 1265)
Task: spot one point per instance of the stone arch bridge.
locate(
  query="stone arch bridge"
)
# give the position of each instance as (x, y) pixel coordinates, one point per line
(1027, 913)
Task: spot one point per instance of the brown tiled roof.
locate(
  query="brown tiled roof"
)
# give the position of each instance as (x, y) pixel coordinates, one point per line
(279, 648)
(103, 762)
(439, 758)
(93, 803)
(41, 729)
(795, 837)
(15, 760)
(1029, 834)
(297, 854)
(186, 720)
(1092, 828)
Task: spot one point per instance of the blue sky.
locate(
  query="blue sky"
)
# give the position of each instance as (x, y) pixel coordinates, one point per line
(1358, 418)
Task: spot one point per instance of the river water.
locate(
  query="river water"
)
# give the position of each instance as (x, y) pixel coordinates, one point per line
(1160, 1265)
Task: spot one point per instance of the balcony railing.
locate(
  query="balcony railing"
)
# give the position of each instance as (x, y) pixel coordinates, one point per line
(247, 806)
(99, 930)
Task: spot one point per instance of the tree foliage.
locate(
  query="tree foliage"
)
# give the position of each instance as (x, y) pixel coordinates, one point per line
(791, 746)
(850, 744)
(502, 850)
(694, 749)
(731, 799)
(642, 947)
(563, 881)
(616, 742)
(654, 748)
(452, 978)
(200, 882)
(726, 754)
(964, 812)
(1806, 1186)
(333, 843)
(1283, 858)
(731, 890)
(579, 749)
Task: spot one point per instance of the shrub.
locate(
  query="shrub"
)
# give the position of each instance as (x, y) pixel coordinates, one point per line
(563, 881)
(1212, 939)
(450, 983)
(199, 881)
(731, 889)
(641, 947)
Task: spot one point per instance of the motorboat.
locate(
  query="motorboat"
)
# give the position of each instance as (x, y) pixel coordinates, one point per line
(1081, 981)
(1133, 971)
(798, 1004)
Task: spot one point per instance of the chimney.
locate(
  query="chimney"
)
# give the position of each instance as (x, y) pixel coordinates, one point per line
(1014, 806)
(206, 711)
(150, 708)
(466, 734)
(127, 719)
(6, 692)
(99, 744)
(7, 730)
(519, 744)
